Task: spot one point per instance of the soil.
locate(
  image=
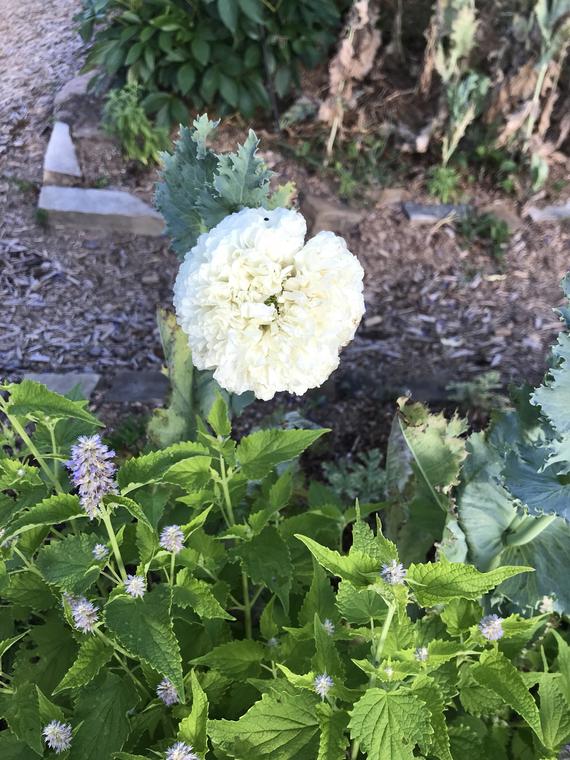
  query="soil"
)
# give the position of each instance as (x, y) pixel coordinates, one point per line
(438, 309)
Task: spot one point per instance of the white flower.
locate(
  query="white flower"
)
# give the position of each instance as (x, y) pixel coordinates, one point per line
(389, 671)
(264, 310)
(166, 692)
(323, 684)
(135, 586)
(546, 605)
(328, 625)
(172, 539)
(421, 654)
(84, 614)
(491, 626)
(181, 751)
(100, 551)
(57, 736)
(393, 573)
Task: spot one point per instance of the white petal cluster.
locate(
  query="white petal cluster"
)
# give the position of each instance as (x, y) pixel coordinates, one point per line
(265, 310)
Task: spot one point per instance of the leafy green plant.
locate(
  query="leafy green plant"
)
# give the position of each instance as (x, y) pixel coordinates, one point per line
(192, 615)
(443, 183)
(226, 54)
(484, 392)
(359, 477)
(124, 117)
(487, 229)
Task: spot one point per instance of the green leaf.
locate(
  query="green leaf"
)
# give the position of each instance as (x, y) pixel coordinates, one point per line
(200, 50)
(30, 399)
(134, 509)
(260, 452)
(356, 567)
(319, 599)
(219, 419)
(538, 486)
(228, 11)
(284, 728)
(476, 699)
(13, 749)
(267, 560)
(7, 644)
(435, 583)
(563, 661)
(242, 179)
(554, 713)
(236, 659)
(197, 594)
(150, 468)
(45, 655)
(69, 563)
(22, 714)
(388, 725)
(51, 511)
(499, 675)
(29, 590)
(101, 716)
(185, 78)
(144, 628)
(192, 729)
(359, 606)
(326, 659)
(253, 9)
(190, 474)
(554, 396)
(229, 90)
(93, 655)
(427, 690)
(333, 741)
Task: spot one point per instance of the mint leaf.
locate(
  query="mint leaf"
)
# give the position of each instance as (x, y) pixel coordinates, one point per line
(197, 594)
(22, 714)
(498, 674)
(219, 419)
(260, 452)
(192, 729)
(69, 563)
(319, 599)
(93, 655)
(33, 400)
(355, 567)
(434, 583)
(389, 725)
(144, 628)
(149, 468)
(101, 715)
(235, 659)
(554, 712)
(51, 511)
(333, 741)
(284, 728)
(428, 691)
(267, 560)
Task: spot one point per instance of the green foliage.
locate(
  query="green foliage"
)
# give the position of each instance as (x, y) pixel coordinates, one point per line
(487, 230)
(443, 183)
(241, 621)
(125, 118)
(220, 53)
(359, 477)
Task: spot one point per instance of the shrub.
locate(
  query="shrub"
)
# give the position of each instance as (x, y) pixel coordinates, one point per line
(226, 54)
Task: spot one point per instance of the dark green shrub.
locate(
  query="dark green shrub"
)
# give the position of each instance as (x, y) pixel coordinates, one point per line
(221, 53)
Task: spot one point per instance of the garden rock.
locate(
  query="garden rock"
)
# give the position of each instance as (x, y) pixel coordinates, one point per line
(549, 213)
(61, 166)
(129, 386)
(324, 215)
(74, 103)
(420, 213)
(102, 210)
(65, 382)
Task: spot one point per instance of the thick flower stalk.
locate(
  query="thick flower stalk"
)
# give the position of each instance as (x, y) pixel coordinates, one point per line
(265, 310)
(92, 472)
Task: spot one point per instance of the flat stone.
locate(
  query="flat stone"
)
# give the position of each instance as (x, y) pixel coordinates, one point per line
(504, 211)
(129, 386)
(61, 166)
(74, 100)
(420, 213)
(549, 213)
(325, 215)
(102, 210)
(65, 382)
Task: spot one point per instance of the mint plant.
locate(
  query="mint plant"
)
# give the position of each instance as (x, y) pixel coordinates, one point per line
(179, 607)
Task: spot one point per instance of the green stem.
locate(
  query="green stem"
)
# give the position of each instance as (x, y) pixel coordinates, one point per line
(110, 643)
(113, 539)
(522, 531)
(55, 451)
(34, 451)
(172, 564)
(132, 675)
(247, 604)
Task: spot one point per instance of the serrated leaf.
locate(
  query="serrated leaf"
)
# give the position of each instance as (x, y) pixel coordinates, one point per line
(190, 474)
(355, 567)
(144, 628)
(29, 590)
(326, 659)
(149, 468)
(235, 659)
(11, 748)
(22, 714)
(554, 713)
(93, 655)
(284, 728)
(45, 655)
(498, 674)
(51, 511)
(103, 704)
(333, 741)
(30, 399)
(476, 699)
(319, 599)
(219, 419)
(435, 583)
(69, 563)
(193, 728)
(427, 690)
(242, 179)
(267, 560)
(260, 452)
(389, 725)
(358, 606)
(7, 644)
(537, 485)
(197, 594)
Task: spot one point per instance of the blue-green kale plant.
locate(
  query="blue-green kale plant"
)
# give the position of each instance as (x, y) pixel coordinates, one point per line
(205, 601)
